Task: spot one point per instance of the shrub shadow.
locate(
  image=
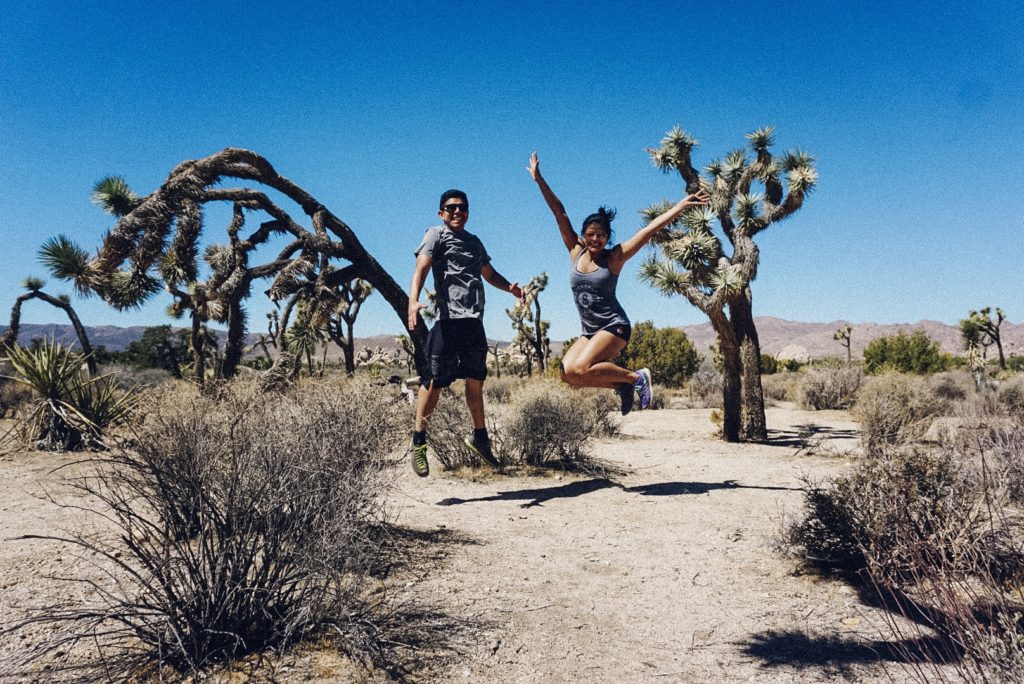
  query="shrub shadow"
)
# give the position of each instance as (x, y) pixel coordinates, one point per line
(797, 649)
(802, 436)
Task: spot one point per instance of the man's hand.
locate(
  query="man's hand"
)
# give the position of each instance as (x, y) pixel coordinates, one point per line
(414, 312)
(516, 290)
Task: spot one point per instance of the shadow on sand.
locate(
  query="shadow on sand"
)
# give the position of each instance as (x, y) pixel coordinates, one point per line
(537, 497)
(808, 434)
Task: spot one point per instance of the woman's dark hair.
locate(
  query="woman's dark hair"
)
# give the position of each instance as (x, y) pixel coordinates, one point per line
(603, 219)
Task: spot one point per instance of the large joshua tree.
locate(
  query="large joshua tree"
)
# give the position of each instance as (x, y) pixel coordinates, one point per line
(156, 242)
(748, 194)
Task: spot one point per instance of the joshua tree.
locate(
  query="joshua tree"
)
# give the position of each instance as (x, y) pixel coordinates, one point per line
(842, 335)
(980, 331)
(155, 242)
(352, 294)
(63, 302)
(715, 275)
(531, 332)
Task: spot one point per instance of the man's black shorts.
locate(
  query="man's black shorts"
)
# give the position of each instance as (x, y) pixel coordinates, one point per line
(456, 348)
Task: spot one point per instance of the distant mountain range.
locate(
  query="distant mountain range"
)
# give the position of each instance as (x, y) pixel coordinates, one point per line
(788, 339)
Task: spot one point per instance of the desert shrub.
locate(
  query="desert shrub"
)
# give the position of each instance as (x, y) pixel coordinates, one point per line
(894, 409)
(952, 386)
(1011, 395)
(1015, 363)
(500, 390)
(243, 522)
(127, 376)
(548, 424)
(914, 353)
(667, 352)
(769, 364)
(936, 531)
(780, 386)
(829, 387)
(13, 395)
(705, 386)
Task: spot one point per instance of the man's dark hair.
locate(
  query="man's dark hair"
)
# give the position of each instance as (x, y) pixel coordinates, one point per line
(449, 194)
(603, 219)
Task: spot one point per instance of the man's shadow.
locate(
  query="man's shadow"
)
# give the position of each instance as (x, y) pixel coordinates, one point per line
(537, 497)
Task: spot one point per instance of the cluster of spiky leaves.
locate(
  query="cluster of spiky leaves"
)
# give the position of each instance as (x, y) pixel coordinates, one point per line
(72, 409)
(697, 265)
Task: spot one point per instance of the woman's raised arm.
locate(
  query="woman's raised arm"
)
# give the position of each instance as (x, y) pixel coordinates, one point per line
(569, 236)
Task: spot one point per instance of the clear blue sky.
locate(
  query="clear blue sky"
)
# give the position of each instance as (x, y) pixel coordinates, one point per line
(914, 111)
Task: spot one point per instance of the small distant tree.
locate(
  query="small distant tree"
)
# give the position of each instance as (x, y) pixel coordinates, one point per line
(159, 347)
(980, 331)
(769, 364)
(914, 353)
(34, 287)
(667, 352)
(343, 319)
(531, 332)
(842, 335)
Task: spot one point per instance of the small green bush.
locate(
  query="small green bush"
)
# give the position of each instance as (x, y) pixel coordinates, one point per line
(769, 364)
(667, 352)
(914, 353)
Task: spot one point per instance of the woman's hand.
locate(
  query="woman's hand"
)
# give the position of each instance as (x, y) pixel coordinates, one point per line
(697, 199)
(534, 167)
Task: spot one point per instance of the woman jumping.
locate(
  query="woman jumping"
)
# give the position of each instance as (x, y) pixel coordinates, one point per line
(593, 275)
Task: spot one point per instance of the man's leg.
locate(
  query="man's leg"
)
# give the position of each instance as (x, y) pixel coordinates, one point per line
(425, 405)
(475, 402)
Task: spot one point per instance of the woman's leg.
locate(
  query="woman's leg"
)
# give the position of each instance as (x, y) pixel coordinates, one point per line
(586, 363)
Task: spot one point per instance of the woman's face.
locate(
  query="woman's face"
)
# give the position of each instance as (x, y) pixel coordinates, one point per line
(595, 238)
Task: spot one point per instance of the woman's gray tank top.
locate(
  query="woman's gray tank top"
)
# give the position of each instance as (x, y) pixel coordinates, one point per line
(595, 296)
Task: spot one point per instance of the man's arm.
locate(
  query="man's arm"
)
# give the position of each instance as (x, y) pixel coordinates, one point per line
(499, 281)
(419, 275)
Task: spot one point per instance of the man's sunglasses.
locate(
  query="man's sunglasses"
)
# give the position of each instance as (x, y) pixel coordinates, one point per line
(452, 208)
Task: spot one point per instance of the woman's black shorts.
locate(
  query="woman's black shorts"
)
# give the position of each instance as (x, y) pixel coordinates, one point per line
(456, 348)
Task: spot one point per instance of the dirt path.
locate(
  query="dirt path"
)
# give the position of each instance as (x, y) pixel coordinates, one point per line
(666, 574)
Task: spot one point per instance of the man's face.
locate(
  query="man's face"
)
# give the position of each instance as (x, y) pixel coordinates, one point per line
(454, 213)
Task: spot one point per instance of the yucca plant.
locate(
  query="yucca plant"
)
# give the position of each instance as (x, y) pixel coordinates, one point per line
(72, 409)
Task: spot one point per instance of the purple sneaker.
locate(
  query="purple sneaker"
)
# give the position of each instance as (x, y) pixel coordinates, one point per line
(644, 388)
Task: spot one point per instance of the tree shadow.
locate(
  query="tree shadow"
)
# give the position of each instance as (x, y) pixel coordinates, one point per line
(537, 497)
(807, 434)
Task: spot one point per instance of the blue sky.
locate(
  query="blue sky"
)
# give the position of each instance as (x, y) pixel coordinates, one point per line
(914, 111)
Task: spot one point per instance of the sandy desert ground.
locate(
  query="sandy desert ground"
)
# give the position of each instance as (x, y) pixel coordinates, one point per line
(668, 572)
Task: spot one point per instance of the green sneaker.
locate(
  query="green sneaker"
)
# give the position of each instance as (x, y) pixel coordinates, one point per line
(419, 460)
(483, 451)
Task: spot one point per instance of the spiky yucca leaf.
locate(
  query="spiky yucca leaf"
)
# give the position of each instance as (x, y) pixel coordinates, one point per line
(727, 280)
(66, 261)
(797, 158)
(698, 218)
(678, 139)
(129, 289)
(64, 298)
(664, 277)
(220, 258)
(176, 309)
(762, 138)
(734, 163)
(114, 196)
(33, 284)
(697, 250)
(714, 168)
(771, 170)
(748, 207)
(802, 179)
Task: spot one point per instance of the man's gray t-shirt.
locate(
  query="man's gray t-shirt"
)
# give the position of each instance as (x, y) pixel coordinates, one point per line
(457, 257)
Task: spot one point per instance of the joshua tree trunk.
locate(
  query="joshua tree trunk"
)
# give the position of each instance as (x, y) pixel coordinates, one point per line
(11, 336)
(732, 369)
(752, 419)
(198, 351)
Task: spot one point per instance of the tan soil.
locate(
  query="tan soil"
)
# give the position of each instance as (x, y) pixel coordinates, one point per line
(669, 573)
